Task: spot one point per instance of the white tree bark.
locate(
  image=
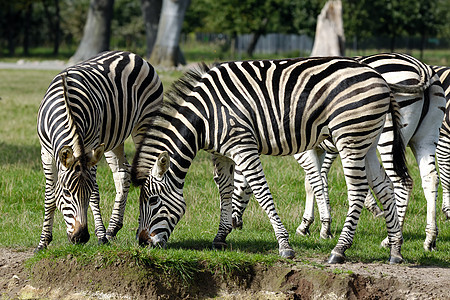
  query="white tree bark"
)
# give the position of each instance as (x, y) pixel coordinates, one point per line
(166, 51)
(330, 38)
(97, 31)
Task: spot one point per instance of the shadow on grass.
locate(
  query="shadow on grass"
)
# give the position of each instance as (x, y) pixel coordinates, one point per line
(253, 246)
(18, 154)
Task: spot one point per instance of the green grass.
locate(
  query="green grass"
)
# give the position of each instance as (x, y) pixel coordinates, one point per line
(22, 197)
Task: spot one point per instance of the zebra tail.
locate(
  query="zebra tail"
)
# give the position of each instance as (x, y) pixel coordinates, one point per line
(398, 147)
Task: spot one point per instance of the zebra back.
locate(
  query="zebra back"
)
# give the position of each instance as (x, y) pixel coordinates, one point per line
(107, 96)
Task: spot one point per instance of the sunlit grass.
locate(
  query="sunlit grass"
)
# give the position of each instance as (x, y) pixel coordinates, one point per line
(22, 197)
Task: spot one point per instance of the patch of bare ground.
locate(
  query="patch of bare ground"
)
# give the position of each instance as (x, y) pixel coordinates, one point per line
(124, 279)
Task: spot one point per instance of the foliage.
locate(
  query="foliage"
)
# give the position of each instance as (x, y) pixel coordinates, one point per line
(363, 19)
(240, 17)
(128, 29)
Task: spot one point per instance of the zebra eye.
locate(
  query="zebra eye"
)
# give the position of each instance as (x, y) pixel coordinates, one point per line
(66, 193)
(153, 199)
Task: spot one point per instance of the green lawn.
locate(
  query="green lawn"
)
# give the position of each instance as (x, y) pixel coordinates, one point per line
(22, 197)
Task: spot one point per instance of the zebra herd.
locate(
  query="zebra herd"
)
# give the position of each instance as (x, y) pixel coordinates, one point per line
(306, 107)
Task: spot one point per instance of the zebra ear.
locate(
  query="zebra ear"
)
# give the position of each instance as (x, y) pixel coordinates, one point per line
(66, 156)
(161, 166)
(95, 155)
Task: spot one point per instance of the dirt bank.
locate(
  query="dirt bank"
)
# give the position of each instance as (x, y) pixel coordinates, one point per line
(68, 279)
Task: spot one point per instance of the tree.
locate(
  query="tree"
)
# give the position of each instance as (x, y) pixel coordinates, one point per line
(166, 51)
(151, 12)
(329, 39)
(54, 24)
(256, 17)
(97, 30)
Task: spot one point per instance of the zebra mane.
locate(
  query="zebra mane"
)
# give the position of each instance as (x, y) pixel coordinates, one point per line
(77, 146)
(144, 159)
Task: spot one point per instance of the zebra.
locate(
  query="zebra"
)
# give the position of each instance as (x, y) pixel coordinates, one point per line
(441, 151)
(240, 110)
(443, 148)
(421, 103)
(88, 111)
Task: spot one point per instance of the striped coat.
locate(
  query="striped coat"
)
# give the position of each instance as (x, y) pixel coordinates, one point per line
(240, 110)
(89, 110)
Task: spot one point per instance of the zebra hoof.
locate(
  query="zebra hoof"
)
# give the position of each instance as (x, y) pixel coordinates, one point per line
(326, 235)
(446, 214)
(302, 231)
(336, 258)
(237, 223)
(287, 253)
(39, 248)
(385, 243)
(429, 246)
(395, 260)
(109, 237)
(103, 241)
(219, 246)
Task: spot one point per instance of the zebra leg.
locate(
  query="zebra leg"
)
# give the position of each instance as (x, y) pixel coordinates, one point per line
(356, 191)
(50, 174)
(122, 179)
(357, 185)
(223, 177)
(94, 203)
(241, 197)
(430, 183)
(443, 157)
(308, 214)
(311, 161)
(371, 204)
(250, 164)
(383, 189)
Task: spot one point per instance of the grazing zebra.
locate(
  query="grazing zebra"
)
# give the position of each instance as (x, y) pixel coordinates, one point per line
(421, 104)
(443, 148)
(239, 110)
(89, 110)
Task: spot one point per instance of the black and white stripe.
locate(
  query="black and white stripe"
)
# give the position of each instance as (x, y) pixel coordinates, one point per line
(419, 94)
(89, 110)
(443, 148)
(239, 110)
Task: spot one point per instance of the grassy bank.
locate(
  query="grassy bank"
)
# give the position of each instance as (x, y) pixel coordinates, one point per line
(22, 197)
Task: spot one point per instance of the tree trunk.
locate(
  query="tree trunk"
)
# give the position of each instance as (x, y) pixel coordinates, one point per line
(330, 39)
(97, 30)
(151, 11)
(26, 33)
(11, 34)
(57, 29)
(166, 51)
(53, 24)
(255, 37)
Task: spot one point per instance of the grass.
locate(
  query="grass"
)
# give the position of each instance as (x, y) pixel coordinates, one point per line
(22, 197)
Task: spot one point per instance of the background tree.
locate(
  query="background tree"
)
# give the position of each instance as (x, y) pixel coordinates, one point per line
(330, 38)
(54, 20)
(166, 51)
(97, 30)
(256, 17)
(127, 26)
(151, 12)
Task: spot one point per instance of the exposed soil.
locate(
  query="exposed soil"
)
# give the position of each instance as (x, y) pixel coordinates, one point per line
(123, 279)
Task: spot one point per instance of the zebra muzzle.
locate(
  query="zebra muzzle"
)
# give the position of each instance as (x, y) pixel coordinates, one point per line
(151, 239)
(80, 235)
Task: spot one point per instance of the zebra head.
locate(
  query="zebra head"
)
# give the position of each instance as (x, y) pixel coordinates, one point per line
(76, 177)
(76, 182)
(159, 206)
